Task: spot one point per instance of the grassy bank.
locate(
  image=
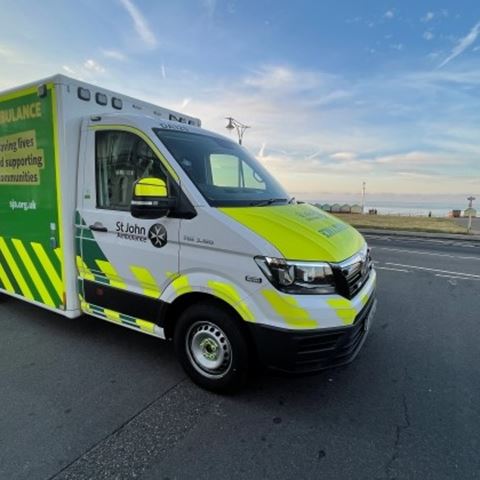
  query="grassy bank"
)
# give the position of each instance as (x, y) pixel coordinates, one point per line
(397, 222)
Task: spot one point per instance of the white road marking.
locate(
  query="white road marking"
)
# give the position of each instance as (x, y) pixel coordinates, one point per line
(456, 278)
(435, 270)
(452, 242)
(419, 252)
(391, 269)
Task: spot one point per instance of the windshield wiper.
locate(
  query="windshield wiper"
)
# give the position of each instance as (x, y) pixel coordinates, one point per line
(270, 201)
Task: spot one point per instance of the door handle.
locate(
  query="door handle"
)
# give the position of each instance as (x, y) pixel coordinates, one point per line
(98, 227)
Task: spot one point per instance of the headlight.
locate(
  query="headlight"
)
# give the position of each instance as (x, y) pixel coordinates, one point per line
(298, 277)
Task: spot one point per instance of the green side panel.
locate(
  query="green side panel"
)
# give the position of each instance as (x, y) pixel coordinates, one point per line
(300, 232)
(28, 193)
(89, 250)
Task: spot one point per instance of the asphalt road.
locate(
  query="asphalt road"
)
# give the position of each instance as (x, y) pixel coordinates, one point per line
(85, 399)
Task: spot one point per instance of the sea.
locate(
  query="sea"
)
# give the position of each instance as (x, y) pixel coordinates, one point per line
(405, 208)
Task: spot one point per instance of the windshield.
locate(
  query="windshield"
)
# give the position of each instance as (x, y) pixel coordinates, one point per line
(224, 172)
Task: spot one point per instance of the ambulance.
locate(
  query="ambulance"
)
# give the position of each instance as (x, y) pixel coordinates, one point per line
(132, 213)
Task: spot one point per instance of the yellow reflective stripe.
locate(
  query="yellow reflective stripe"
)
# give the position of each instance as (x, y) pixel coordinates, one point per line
(145, 326)
(108, 269)
(148, 141)
(229, 294)
(344, 309)
(58, 253)
(111, 315)
(5, 280)
(18, 94)
(48, 267)
(15, 270)
(364, 299)
(32, 271)
(83, 270)
(180, 283)
(289, 309)
(146, 280)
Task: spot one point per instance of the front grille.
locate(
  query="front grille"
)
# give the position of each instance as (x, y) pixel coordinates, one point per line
(351, 274)
(333, 347)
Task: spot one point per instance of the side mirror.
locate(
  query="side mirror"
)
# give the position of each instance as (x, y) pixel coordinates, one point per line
(150, 198)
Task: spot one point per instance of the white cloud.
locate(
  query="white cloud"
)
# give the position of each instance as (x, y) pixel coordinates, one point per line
(389, 14)
(314, 146)
(93, 66)
(140, 23)
(463, 44)
(282, 78)
(164, 72)
(114, 54)
(428, 35)
(185, 102)
(69, 70)
(6, 52)
(343, 156)
(400, 160)
(397, 46)
(428, 17)
(210, 6)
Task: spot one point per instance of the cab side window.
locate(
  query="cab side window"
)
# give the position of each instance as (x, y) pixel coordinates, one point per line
(121, 158)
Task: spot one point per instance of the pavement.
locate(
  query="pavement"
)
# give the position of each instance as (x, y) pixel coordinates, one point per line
(84, 399)
(464, 223)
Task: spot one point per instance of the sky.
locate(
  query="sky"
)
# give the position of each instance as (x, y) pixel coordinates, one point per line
(335, 92)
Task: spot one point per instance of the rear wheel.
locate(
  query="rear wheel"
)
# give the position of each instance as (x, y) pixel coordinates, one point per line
(212, 347)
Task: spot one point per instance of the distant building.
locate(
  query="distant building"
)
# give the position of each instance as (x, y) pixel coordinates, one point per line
(356, 209)
(326, 207)
(470, 212)
(345, 208)
(335, 208)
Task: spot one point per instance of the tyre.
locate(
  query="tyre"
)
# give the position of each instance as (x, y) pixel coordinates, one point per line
(212, 348)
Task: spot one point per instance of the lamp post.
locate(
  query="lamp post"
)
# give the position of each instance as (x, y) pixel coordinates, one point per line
(364, 187)
(239, 127)
(470, 199)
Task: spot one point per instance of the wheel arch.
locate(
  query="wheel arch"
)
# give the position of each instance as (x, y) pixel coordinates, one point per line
(182, 302)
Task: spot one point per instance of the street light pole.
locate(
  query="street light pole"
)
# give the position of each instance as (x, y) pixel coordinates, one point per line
(364, 186)
(239, 127)
(470, 199)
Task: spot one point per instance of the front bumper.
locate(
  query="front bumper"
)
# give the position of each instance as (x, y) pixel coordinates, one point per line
(306, 351)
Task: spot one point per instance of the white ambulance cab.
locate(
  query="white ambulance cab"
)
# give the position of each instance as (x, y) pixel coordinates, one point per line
(134, 214)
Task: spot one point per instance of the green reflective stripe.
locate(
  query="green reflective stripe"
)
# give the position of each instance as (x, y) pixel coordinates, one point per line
(300, 232)
(50, 270)
(119, 318)
(5, 281)
(9, 277)
(33, 273)
(12, 263)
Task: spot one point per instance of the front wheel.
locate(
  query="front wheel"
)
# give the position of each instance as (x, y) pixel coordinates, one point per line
(212, 347)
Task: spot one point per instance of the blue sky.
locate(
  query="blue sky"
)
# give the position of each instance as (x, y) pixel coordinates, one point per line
(336, 92)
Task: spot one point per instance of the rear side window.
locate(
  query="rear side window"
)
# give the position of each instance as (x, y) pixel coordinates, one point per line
(121, 158)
